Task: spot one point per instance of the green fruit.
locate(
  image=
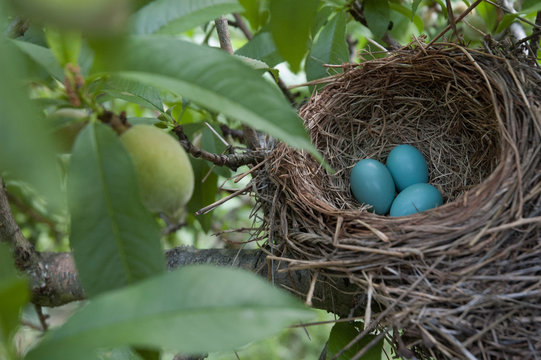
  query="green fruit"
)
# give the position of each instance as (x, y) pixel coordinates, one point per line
(164, 172)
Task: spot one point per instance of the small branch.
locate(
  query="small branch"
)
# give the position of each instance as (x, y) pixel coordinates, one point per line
(119, 123)
(458, 19)
(42, 318)
(222, 29)
(24, 252)
(234, 133)
(352, 44)
(242, 26)
(451, 18)
(232, 161)
(534, 41)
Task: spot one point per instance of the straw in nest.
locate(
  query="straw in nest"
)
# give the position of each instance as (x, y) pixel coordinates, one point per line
(459, 281)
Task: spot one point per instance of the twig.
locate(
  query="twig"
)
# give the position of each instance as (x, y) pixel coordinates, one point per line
(234, 133)
(458, 19)
(223, 34)
(451, 18)
(352, 43)
(242, 26)
(232, 161)
(214, 205)
(42, 318)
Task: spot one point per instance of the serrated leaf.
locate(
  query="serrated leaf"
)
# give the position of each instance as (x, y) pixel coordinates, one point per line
(42, 56)
(290, 23)
(191, 310)
(135, 92)
(111, 230)
(344, 332)
(377, 16)
(13, 294)
(330, 47)
(65, 45)
(213, 79)
(174, 16)
(261, 47)
(27, 150)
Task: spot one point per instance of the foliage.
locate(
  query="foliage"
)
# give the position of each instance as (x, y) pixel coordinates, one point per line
(66, 65)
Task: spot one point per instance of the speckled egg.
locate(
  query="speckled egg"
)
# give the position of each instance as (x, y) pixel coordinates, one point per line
(372, 184)
(407, 166)
(415, 199)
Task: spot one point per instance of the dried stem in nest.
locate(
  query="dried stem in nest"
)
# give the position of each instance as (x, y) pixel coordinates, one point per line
(461, 280)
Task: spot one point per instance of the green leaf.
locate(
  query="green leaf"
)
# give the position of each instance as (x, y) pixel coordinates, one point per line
(42, 56)
(261, 47)
(213, 79)
(111, 230)
(416, 19)
(254, 11)
(135, 92)
(291, 22)
(377, 16)
(530, 6)
(330, 47)
(344, 332)
(414, 6)
(65, 45)
(194, 309)
(92, 16)
(13, 295)
(506, 21)
(174, 16)
(27, 151)
(204, 193)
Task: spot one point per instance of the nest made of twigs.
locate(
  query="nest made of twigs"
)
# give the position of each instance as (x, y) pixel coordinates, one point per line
(459, 281)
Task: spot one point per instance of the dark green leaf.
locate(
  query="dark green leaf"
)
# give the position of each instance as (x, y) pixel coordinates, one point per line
(42, 56)
(291, 22)
(135, 92)
(506, 21)
(173, 16)
(27, 151)
(191, 310)
(330, 47)
(204, 193)
(215, 80)
(111, 230)
(13, 295)
(530, 6)
(65, 45)
(254, 11)
(261, 47)
(377, 16)
(321, 19)
(344, 332)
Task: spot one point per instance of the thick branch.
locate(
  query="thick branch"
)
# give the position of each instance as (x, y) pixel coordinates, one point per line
(62, 283)
(24, 253)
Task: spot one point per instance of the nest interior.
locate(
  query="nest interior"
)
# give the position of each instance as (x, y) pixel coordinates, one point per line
(462, 280)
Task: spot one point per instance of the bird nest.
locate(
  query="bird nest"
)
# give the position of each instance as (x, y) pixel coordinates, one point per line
(459, 281)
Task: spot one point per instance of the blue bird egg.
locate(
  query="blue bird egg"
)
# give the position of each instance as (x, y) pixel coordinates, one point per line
(407, 166)
(372, 184)
(415, 199)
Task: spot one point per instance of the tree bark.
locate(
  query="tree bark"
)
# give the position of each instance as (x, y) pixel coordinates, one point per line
(54, 280)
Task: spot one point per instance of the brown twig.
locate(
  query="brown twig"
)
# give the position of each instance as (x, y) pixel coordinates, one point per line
(42, 317)
(242, 26)
(458, 19)
(234, 133)
(232, 161)
(222, 29)
(451, 18)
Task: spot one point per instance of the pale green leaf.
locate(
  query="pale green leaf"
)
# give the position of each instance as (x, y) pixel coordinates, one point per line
(291, 23)
(65, 45)
(194, 309)
(111, 230)
(134, 91)
(215, 80)
(174, 16)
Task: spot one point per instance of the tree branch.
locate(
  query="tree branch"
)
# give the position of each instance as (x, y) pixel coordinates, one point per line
(222, 29)
(232, 161)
